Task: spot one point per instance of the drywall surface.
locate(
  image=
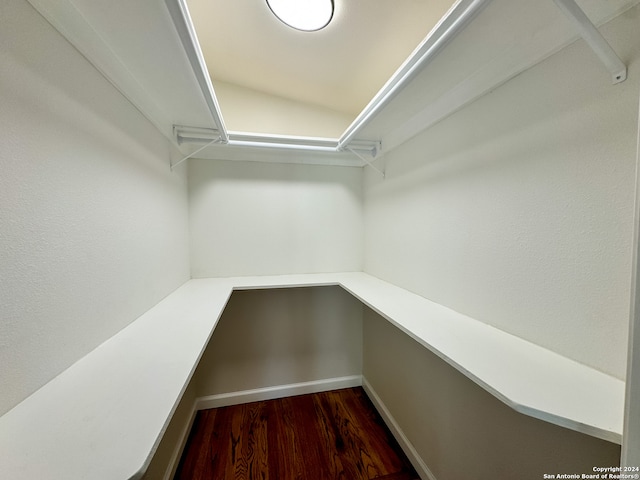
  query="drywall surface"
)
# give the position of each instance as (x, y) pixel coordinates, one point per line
(93, 225)
(249, 218)
(631, 434)
(278, 337)
(458, 429)
(247, 110)
(518, 209)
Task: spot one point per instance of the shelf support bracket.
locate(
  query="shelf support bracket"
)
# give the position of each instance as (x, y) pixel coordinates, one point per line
(215, 140)
(594, 39)
(373, 152)
(183, 134)
(186, 31)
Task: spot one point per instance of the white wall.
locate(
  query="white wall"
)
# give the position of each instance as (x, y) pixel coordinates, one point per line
(93, 225)
(247, 110)
(631, 436)
(458, 429)
(250, 218)
(282, 336)
(518, 209)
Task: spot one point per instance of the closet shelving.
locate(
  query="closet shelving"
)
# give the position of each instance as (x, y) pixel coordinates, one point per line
(103, 418)
(147, 49)
(140, 47)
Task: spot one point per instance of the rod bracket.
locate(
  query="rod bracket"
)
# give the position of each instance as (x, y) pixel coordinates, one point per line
(206, 136)
(184, 134)
(590, 33)
(367, 151)
(620, 76)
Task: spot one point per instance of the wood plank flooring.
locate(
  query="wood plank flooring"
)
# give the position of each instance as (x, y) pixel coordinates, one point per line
(323, 436)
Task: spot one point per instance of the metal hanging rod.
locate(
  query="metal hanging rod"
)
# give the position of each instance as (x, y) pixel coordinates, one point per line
(462, 12)
(318, 144)
(451, 24)
(184, 134)
(187, 33)
(366, 151)
(594, 39)
(457, 17)
(370, 148)
(209, 136)
(368, 163)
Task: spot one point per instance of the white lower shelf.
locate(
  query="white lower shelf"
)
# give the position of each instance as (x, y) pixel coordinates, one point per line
(104, 417)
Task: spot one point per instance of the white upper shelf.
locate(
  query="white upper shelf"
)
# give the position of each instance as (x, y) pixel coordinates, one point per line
(104, 416)
(137, 47)
(506, 38)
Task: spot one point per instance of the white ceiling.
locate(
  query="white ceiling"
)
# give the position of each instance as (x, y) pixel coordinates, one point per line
(340, 67)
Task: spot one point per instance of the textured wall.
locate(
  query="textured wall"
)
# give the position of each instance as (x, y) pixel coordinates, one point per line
(518, 209)
(93, 225)
(262, 218)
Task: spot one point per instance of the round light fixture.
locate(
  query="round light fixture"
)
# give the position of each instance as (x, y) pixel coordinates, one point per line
(305, 15)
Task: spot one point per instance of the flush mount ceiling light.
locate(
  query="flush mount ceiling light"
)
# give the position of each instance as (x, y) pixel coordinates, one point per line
(307, 15)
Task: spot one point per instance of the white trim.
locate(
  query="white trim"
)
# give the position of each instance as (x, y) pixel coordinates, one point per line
(282, 391)
(279, 139)
(454, 21)
(590, 33)
(278, 391)
(630, 455)
(177, 452)
(407, 447)
(181, 17)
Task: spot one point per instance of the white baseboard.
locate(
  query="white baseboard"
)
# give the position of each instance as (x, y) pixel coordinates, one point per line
(246, 396)
(279, 391)
(405, 444)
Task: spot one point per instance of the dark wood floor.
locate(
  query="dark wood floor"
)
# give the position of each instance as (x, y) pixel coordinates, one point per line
(324, 436)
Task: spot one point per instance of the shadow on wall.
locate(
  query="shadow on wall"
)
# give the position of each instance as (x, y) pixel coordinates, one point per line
(461, 431)
(252, 218)
(279, 337)
(211, 171)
